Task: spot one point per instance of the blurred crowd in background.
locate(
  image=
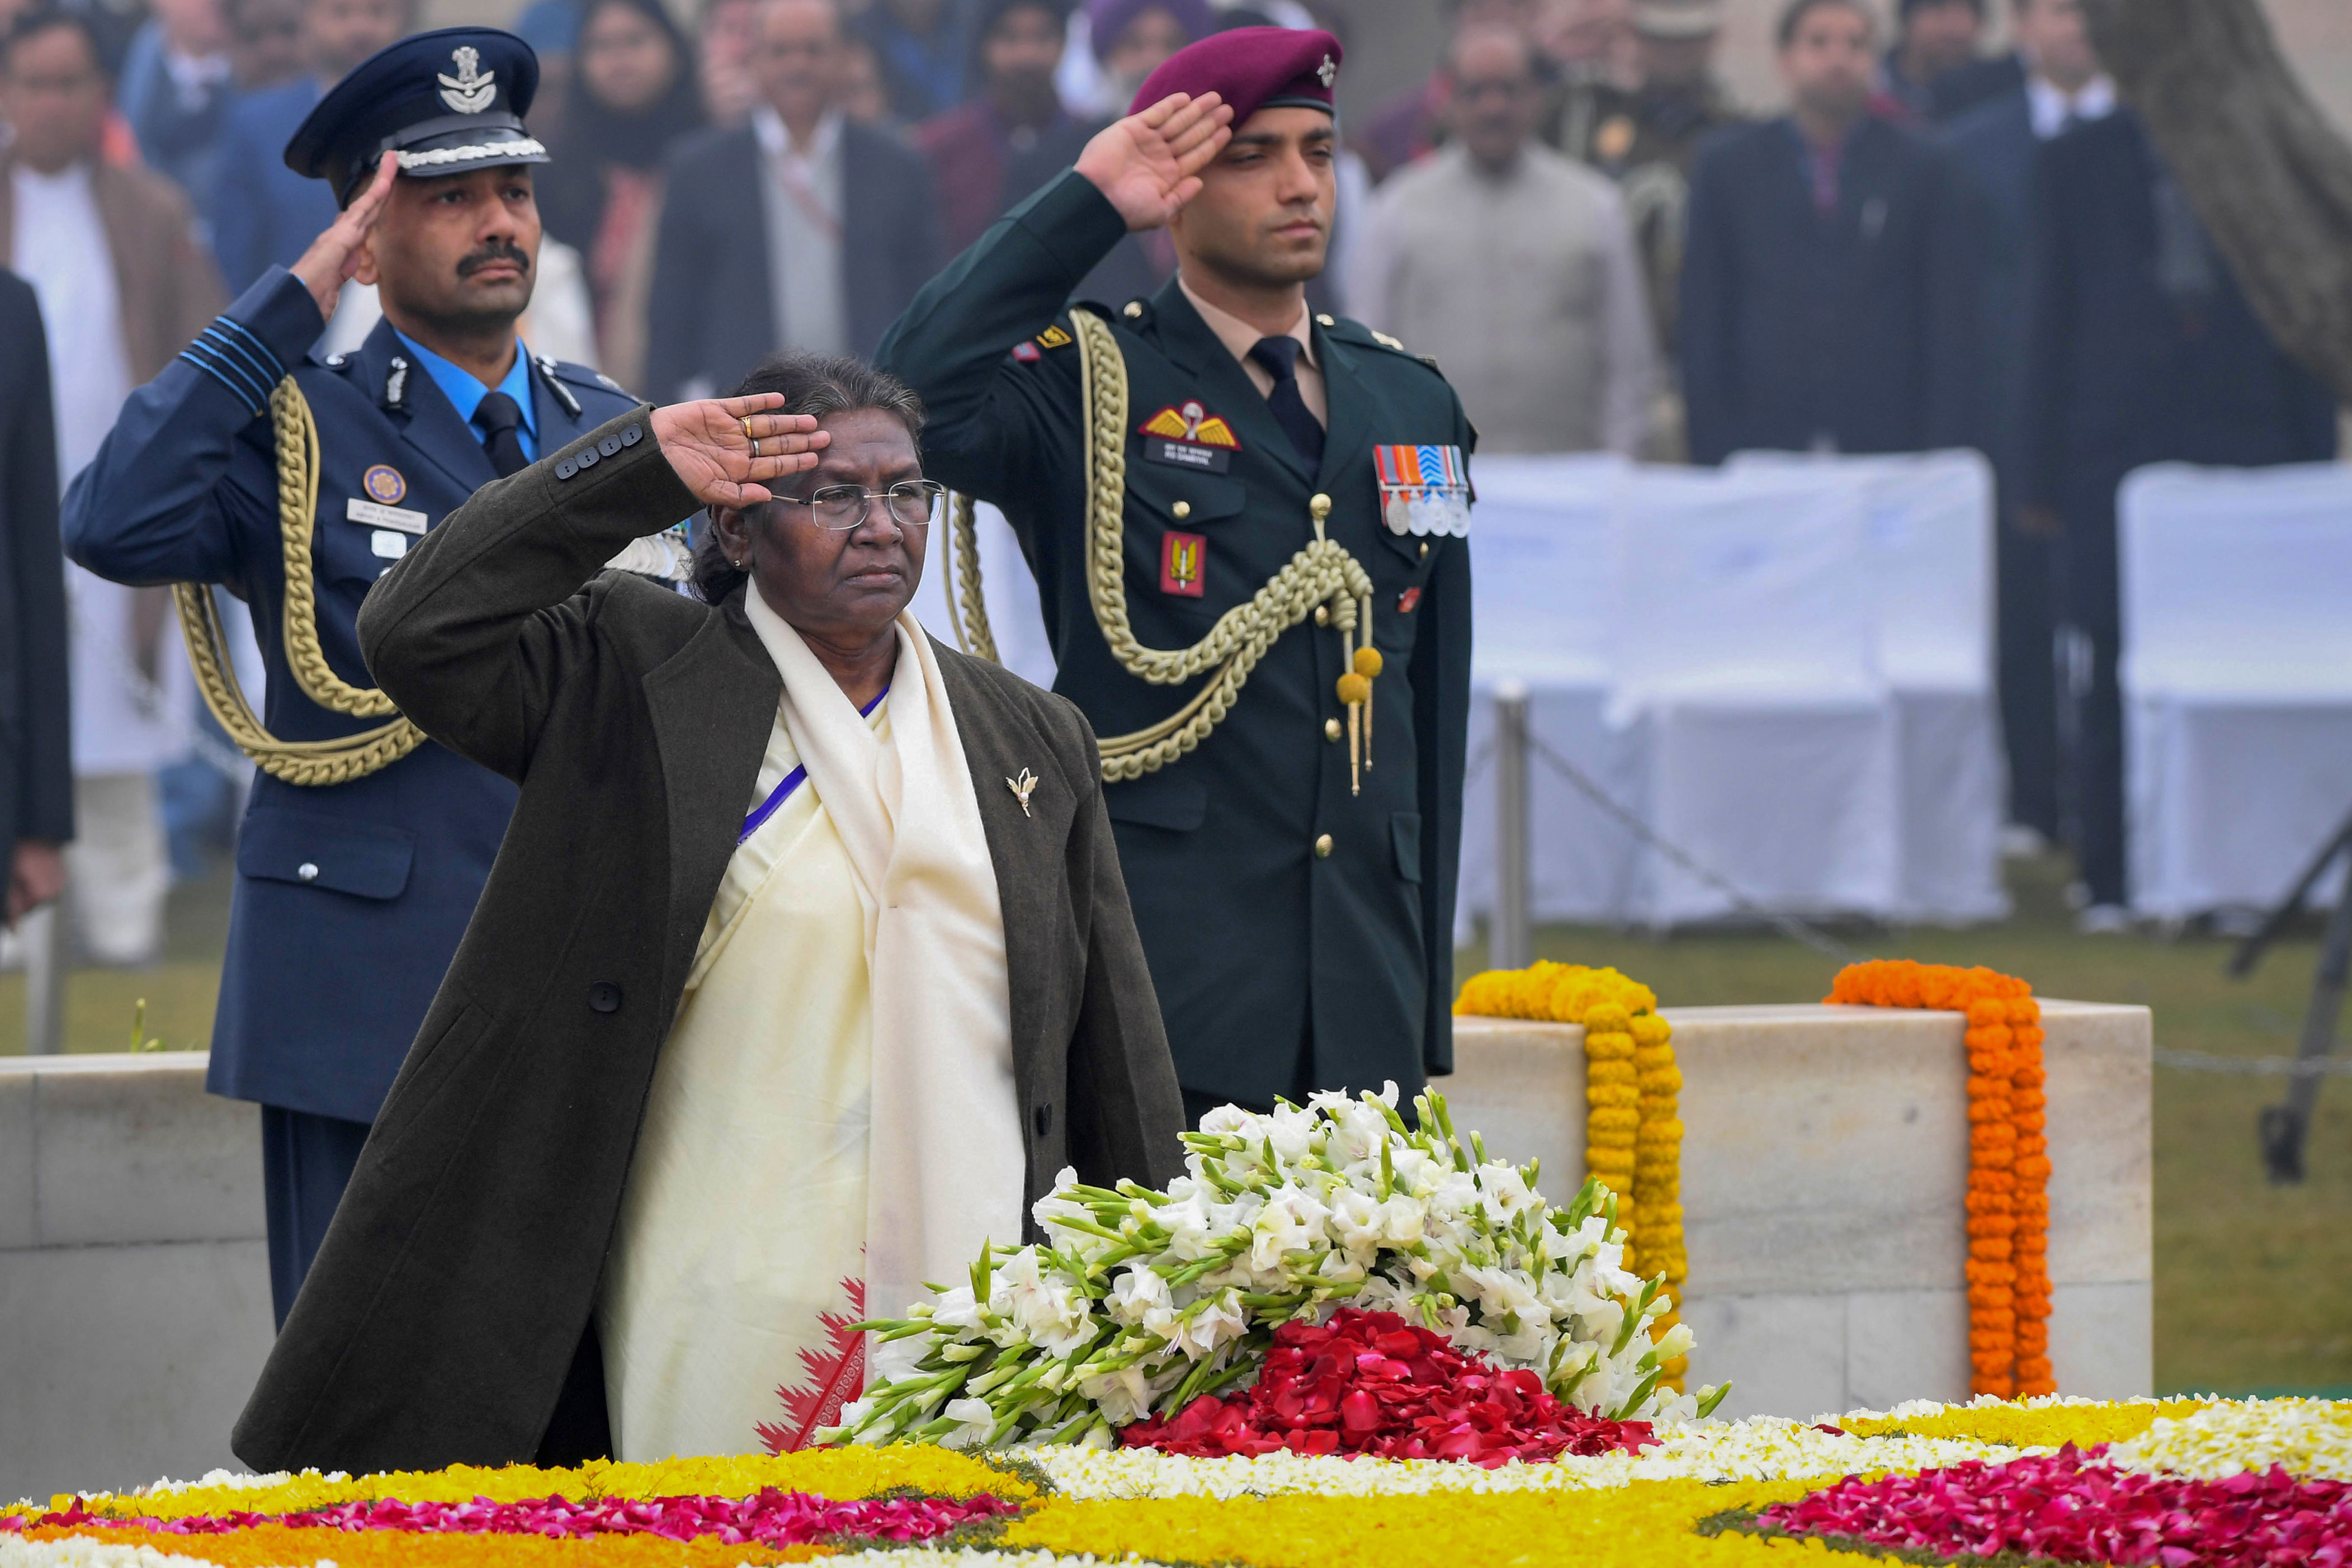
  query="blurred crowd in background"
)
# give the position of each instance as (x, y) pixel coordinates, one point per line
(1939, 243)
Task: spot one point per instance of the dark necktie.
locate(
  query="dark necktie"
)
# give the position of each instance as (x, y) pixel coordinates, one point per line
(1280, 358)
(501, 422)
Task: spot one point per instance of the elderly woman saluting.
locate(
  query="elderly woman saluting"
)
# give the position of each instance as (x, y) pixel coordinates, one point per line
(805, 965)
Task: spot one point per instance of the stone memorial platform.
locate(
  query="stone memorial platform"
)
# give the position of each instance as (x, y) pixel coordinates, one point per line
(1825, 1156)
(1823, 1162)
(134, 1280)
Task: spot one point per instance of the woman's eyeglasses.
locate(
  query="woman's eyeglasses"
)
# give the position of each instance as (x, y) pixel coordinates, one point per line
(912, 502)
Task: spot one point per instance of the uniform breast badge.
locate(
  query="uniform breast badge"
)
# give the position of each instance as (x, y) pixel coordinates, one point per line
(1186, 435)
(1184, 564)
(1425, 490)
(383, 484)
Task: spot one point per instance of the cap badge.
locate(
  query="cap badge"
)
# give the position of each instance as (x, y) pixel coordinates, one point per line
(472, 90)
(1328, 72)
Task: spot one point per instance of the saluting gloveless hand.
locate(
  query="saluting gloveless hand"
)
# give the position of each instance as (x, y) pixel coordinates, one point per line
(1149, 165)
(709, 445)
(334, 256)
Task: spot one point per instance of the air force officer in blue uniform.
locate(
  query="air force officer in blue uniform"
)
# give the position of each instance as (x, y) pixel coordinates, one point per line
(351, 896)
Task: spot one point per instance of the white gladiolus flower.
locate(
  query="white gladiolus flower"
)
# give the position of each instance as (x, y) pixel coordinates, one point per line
(956, 1310)
(1136, 1292)
(977, 1417)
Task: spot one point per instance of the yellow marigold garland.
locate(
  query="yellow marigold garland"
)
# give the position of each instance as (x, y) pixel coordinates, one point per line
(1633, 1138)
(2009, 1162)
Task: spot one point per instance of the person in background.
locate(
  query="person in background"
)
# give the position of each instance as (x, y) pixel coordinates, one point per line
(924, 47)
(2141, 349)
(1131, 39)
(1014, 134)
(632, 99)
(352, 888)
(37, 786)
(1590, 48)
(1519, 262)
(728, 33)
(1932, 38)
(552, 28)
(759, 222)
(264, 45)
(1413, 123)
(262, 214)
(1139, 35)
(861, 95)
(123, 283)
(1829, 295)
(1648, 143)
(176, 82)
(1998, 145)
(1980, 80)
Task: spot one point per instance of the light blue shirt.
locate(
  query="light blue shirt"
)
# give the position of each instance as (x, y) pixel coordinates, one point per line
(465, 391)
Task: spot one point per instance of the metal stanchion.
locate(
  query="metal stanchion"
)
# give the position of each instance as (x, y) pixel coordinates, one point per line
(1513, 941)
(47, 940)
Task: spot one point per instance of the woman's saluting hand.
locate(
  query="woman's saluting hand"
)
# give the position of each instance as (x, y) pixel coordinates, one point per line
(727, 450)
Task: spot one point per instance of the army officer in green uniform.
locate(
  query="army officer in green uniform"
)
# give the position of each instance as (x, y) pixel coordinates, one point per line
(1247, 527)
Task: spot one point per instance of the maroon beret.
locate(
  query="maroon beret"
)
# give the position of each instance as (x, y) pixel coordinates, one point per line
(1251, 69)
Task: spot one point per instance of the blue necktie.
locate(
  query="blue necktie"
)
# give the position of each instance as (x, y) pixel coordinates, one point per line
(1280, 358)
(501, 418)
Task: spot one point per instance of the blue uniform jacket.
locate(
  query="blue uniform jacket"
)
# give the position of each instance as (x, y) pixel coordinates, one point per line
(350, 899)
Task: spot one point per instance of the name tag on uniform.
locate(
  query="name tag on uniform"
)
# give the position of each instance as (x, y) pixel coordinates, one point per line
(390, 545)
(376, 514)
(1423, 490)
(1184, 454)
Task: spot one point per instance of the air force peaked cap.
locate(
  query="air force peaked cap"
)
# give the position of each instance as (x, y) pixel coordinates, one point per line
(445, 102)
(1251, 69)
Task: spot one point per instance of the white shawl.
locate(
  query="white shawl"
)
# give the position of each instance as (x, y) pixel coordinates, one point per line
(946, 1161)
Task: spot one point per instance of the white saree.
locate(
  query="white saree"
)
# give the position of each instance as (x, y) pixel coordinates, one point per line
(833, 1120)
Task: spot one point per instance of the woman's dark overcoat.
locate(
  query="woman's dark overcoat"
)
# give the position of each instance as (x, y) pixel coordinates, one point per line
(449, 1317)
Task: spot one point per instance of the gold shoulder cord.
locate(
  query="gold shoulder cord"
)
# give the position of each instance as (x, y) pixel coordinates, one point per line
(332, 762)
(1322, 574)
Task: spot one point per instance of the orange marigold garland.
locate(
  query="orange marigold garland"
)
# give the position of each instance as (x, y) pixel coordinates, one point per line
(2008, 1160)
(1633, 1138)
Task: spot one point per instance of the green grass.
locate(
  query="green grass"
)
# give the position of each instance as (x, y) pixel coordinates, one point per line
(2254, 1283)
(179, 988)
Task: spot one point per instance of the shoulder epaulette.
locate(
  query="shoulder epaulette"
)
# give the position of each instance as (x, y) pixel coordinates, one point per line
(1029, 351)
(581, 375)
(1363, 336)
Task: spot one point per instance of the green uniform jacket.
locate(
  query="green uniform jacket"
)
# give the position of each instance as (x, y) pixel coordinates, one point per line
(1260, 948)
